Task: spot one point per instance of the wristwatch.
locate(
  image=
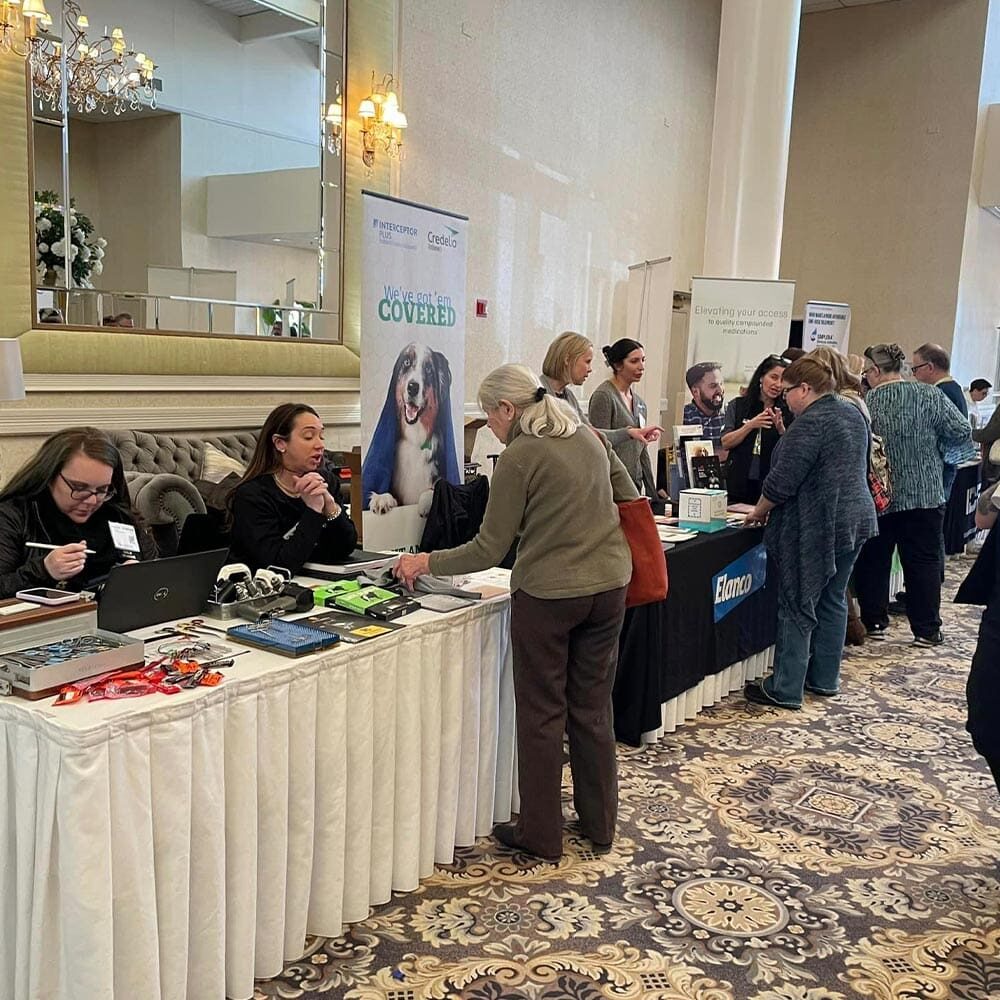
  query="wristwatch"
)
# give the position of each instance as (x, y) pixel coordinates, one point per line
(335, 513)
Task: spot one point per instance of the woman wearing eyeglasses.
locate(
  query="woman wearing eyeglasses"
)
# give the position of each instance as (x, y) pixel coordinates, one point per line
(819, 512)
(66, 495)
(754, 425)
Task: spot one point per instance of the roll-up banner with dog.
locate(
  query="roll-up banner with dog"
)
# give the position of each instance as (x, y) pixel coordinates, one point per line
(412, 364)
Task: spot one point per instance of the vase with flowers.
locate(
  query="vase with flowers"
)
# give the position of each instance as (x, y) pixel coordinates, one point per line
(85, 248)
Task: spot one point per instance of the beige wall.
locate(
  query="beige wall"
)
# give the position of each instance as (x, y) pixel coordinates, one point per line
(883, 128)
(978, 316)
(576, 135)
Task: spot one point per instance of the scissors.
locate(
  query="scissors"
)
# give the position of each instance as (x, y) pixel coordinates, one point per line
(196, 626)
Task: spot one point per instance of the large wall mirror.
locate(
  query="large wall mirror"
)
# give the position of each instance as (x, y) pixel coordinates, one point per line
(193, 150)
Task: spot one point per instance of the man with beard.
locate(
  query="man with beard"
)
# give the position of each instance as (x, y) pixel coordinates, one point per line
(707, 394)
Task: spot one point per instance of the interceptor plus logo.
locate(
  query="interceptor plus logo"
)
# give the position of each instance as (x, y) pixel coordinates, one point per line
(444, 240)
(396, 234)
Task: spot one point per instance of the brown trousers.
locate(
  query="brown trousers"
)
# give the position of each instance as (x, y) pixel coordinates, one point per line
(565, 655)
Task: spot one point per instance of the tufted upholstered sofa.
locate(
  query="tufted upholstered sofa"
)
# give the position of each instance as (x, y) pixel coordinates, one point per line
(161, 470)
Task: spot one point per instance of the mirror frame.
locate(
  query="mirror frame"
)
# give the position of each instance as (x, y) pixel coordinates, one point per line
(322, 272)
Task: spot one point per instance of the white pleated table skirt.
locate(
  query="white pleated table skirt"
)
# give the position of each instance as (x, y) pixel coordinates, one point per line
(173, 847)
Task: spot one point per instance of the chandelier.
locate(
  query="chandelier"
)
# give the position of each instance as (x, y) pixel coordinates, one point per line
(12, 14)
(382, 122)
(102, 74)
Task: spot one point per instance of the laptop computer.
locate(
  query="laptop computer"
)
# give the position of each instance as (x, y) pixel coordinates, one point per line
(160, 590)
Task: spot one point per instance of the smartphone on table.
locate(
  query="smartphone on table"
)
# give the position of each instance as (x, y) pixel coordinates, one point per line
(47, 595)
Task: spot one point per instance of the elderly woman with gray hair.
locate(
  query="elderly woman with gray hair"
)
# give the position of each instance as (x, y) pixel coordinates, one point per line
(568, 589)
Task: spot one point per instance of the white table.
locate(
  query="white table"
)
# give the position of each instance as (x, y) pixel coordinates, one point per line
(180, 846)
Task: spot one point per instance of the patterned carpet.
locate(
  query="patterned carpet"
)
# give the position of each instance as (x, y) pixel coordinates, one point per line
(850, 849)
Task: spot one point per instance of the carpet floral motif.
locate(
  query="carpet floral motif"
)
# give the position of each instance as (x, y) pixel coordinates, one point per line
(831, 811)
(851, 850)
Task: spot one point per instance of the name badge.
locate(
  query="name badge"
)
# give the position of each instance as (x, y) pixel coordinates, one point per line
(124, 537)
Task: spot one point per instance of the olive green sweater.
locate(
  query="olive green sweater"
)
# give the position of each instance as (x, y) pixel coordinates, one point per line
(558, 495)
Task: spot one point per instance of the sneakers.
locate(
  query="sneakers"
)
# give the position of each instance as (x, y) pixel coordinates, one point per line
(878, 631)
(929, 640)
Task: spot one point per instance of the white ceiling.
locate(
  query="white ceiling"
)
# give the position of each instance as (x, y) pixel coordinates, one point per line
(815, 6)
(238, 8)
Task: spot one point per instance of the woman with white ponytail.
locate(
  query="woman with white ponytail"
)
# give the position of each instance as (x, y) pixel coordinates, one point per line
(555, 486)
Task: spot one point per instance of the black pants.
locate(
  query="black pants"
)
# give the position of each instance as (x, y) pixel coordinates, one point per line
(565, 653)
(917, 535)
(983, 694)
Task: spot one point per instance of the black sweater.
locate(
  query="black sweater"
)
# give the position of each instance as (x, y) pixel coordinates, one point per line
(38, 519)
(271, 528)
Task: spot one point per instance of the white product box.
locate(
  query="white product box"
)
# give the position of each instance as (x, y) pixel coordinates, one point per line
(703, 510)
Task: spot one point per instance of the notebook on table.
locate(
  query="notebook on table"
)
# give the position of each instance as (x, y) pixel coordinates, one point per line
(359, 561)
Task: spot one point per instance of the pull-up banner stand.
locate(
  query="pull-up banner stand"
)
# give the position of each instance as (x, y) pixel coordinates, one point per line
(738, 322)
(826, 324)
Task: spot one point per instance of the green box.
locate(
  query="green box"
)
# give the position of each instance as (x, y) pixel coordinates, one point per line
(359, 601)
(325, 596)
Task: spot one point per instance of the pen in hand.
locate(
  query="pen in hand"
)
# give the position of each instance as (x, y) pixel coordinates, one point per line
(45, 545)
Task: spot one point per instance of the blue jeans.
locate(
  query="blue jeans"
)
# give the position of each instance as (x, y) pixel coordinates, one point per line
(812, 659)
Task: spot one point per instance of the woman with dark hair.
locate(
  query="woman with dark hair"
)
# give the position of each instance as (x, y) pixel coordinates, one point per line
(754, 425)
(616, 406)
(285, 510)
(66, 496)
(819, 512)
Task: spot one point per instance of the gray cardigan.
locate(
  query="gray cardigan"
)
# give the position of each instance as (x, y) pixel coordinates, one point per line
(819, 482)
(569, 397)
(608, 413)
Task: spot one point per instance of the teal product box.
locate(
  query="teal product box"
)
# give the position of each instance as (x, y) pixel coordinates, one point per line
(702, 510)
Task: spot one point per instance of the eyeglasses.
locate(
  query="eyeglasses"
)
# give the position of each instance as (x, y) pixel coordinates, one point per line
(777, 359)
(79, 491)
(870, 368)
(923, 364)
(786, 389)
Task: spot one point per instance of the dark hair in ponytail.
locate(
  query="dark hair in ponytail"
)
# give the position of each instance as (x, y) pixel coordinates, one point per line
(616, 354)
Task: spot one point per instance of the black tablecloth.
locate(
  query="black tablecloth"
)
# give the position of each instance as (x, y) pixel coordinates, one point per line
(960, 511)
(668, 647)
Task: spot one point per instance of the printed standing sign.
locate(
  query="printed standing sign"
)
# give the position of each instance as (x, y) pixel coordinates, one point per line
(738, 322)
(826, 324)
(412, 364)
(737, 581)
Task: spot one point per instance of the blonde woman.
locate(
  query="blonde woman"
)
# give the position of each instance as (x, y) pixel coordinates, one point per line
(846, 383)
(555, 485)
(569, 361)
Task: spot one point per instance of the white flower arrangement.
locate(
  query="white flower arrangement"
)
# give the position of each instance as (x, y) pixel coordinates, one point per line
(86, 250)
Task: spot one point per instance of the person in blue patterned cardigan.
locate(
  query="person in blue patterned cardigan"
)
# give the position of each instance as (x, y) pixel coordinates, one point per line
(819, 512)
(918, 424)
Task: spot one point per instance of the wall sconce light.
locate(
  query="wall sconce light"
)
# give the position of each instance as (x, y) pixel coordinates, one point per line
(333, 125)
(382, 122)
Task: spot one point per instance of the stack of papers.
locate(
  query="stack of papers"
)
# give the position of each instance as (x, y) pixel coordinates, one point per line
(674, 535)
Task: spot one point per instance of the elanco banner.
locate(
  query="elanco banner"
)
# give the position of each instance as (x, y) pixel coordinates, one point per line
(412, 364)
(826, 324)
(737, 581)
(738, 322)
